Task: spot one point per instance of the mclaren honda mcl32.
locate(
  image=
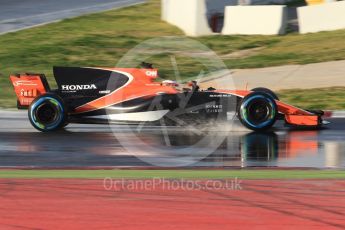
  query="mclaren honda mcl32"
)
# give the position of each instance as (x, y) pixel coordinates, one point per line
(132, 96)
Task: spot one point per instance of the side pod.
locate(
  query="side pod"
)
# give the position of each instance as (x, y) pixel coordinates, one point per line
(27, 87)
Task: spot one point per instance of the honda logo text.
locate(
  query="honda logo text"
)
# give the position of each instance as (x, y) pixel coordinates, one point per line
(78, 87)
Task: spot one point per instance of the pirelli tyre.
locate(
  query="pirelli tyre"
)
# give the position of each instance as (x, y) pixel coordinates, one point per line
(48, 113)
(258, 111)
(265, 90)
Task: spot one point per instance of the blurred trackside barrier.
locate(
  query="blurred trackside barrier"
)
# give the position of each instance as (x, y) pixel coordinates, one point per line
(251, 20)
(322, 17)
(188, 15)
(196, 17)
(204, 17)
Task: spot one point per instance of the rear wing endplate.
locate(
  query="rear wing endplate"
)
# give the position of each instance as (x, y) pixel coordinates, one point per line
(27, 87)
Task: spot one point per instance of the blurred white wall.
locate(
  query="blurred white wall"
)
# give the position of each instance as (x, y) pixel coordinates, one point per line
(322, 17)
(188, 15)
(196, 17)
(250, 20)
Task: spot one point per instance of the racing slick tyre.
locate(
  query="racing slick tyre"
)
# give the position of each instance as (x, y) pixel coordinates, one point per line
(268, 91)
(48, 113)
(258, 111)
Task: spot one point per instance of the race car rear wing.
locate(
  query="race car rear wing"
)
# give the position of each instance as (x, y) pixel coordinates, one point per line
(27, 87)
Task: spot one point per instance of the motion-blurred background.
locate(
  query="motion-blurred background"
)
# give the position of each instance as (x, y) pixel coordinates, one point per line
(300, 43)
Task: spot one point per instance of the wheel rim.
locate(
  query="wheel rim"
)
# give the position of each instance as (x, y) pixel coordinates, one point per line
(258, 111)
(47, 113)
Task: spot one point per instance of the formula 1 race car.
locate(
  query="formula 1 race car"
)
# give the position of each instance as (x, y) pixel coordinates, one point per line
(132, 96)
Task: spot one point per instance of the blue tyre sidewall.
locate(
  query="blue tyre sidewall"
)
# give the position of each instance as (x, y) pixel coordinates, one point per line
(60, 116)
(263, 125)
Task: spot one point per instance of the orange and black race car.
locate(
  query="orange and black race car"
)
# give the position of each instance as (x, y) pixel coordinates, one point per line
(132, 96)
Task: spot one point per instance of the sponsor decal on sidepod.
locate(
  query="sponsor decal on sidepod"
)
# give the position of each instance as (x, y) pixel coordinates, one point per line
(78, 87)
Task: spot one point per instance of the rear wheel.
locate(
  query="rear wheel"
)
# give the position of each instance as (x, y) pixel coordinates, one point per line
(258, 111)
(47, 113)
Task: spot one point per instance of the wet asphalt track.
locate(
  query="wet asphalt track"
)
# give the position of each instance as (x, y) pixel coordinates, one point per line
(18, 14)
(98, 145)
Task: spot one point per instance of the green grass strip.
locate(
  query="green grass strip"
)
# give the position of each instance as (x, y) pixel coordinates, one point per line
(174, 174)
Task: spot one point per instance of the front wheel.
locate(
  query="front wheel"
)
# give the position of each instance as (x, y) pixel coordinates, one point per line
(47, 113)
(258, 111)
(267, 91)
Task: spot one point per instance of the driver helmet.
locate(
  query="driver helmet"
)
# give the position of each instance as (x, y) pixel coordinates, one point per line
(169, 83)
